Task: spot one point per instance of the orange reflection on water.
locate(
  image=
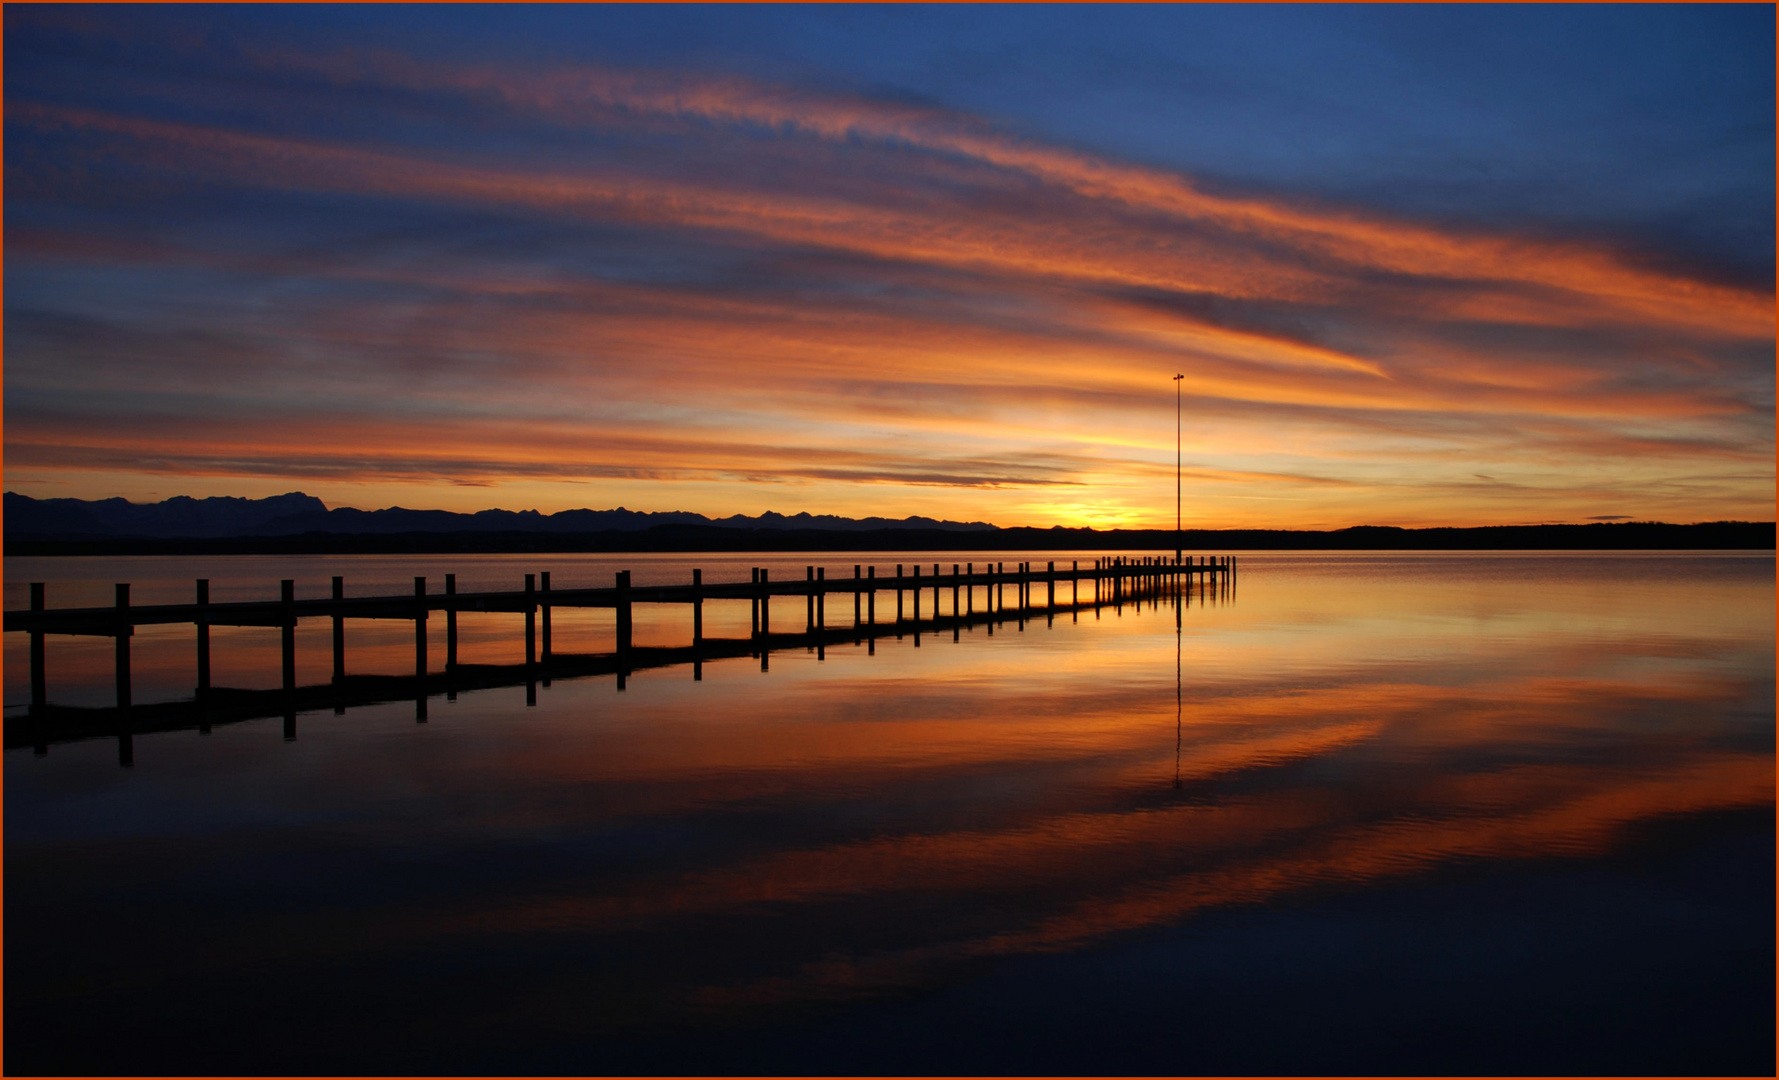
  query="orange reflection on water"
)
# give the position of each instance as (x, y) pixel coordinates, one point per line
(879, 820)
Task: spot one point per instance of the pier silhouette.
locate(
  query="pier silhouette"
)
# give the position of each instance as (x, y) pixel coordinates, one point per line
(926, 604)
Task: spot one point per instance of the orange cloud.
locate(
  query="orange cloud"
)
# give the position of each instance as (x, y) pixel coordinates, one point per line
(980, 312)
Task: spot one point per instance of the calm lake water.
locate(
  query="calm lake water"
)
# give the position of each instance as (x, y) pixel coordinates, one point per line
(1373, 813)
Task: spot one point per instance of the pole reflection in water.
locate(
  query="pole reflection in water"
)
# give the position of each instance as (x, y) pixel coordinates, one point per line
(1179, 703)
(1422, 797)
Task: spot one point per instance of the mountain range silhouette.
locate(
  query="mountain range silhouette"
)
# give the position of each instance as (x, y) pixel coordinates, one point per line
(296, 513)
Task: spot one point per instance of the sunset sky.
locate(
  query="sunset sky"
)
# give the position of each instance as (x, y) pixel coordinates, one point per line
(1419, 266)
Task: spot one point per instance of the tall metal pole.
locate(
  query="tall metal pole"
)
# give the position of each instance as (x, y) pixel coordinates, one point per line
(1177, 380)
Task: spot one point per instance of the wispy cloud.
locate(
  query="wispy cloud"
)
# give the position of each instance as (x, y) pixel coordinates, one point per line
(642, 279)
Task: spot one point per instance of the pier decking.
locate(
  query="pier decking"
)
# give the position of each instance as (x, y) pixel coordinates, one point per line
(1109, 581)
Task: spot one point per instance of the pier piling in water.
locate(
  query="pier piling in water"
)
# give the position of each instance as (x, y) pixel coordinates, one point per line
(697, 625)
(1116, 581)
(419, 628)
(765, 587)
(203, 636)
(530, 621)
(622, 588)
(287, 632)
(340, 625)
(450, 624)
(544, 616)
(697, 607)
(39, 681)
(123, 631)
(420, 650)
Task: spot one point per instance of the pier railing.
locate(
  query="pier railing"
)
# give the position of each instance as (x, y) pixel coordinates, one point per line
(1109, 581)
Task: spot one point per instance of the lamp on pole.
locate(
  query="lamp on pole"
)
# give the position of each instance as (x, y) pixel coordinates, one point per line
(1177, 380)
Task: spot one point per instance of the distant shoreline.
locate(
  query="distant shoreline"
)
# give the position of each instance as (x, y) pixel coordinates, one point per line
(1614, 536)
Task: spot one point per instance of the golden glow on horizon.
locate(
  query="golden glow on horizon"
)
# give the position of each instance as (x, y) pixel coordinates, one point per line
(1341, 368)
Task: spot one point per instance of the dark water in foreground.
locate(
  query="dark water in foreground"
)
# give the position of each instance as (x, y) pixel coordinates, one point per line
(1377, 813)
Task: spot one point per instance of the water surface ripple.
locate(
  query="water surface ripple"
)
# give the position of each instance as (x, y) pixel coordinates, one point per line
(1371, 813)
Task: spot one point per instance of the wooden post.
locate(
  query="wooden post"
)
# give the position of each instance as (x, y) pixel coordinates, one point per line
(988, 596)
(39, 683)
(339, 593)
(530, 620)
(1052, 601)
(753, 580)
(697, 607)
(765, 618)
(916, 591)
(530, 640)
(624, 626)
(821, 612)
(871, 598)
(451, 626)
(898, 594)
(123, 645)
(623, 612)
(287, 627)
(419, 650)
(544, 587)
(697, 625)
(419, 628)
(339, 643)
(855, 597)
(809, 598)
(956, 623)
(1019, 598)
(203, 638)
(936, 585)
(969, 588)
(765, 602)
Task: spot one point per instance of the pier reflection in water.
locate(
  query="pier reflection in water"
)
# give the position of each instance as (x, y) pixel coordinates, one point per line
(1111, 581)
(1419, 813)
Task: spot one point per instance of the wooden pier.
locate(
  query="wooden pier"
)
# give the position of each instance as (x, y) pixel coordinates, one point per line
(1034, 594)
